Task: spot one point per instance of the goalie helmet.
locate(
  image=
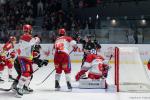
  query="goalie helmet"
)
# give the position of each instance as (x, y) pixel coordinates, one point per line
(93, 51)
(27, 28)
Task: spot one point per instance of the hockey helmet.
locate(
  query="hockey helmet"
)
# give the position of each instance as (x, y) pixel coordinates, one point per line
(27, 28)
(62, 31)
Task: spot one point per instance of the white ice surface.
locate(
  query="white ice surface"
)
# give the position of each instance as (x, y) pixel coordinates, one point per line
(46, 90)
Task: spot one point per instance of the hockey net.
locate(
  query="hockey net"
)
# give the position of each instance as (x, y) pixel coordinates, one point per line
(130, 73)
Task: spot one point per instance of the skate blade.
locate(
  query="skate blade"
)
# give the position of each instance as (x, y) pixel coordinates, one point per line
(57, 89)
(10, 80)
(14, 90)
(1, 82)
(18, 96)
(69, 90)
(27, 92)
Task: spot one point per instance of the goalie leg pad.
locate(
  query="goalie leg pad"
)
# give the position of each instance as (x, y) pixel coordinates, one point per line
(79, 74)
(92, 84)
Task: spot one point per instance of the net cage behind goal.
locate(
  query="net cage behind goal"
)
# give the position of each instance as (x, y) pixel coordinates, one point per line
(130, 73)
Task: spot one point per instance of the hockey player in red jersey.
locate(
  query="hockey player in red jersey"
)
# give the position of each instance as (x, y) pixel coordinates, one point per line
(25, 63)
(96, 65)
(7, 54)
(62, 59)
(148, 65)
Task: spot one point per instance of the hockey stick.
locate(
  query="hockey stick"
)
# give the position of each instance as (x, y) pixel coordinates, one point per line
(47, 77)
(71, 51)
(50, 73)
(110, 57)
(35, 70)
(2, 89)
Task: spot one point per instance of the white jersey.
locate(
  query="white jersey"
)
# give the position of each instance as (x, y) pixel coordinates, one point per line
(25, 43)
(25, 48)
(8, 50)
(95, 66)
(93, 63)
(63, 44)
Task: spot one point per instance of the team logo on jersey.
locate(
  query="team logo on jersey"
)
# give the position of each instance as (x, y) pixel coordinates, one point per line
(47, 53)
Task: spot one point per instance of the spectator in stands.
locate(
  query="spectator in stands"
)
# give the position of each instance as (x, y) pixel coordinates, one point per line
(15, 12)
(40, 8)
(81, 4)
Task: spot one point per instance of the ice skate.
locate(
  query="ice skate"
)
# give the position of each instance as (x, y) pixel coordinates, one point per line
(19, 93)
(27, 90)
(11, 79)
(57, 86)
(1, 80)
(69, 86)
(14, 86)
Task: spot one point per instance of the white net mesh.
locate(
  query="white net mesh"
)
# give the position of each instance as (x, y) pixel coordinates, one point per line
(132, 73)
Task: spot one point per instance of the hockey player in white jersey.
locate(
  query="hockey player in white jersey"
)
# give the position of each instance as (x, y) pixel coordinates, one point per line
(25, 63)
(61, 57)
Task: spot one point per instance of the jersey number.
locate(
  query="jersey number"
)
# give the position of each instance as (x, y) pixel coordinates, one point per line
(59, 46)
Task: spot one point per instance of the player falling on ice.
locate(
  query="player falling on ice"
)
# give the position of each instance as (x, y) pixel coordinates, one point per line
(62, 58)
(96, 66)
(23, 63)
(7, 55)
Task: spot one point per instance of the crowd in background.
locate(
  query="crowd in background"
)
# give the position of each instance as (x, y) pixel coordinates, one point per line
(15, 13)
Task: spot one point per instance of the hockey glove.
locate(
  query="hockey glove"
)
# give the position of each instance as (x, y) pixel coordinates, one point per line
(45, 62)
